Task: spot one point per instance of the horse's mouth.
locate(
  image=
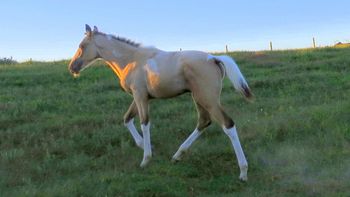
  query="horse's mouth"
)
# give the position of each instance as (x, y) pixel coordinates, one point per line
(76, 75)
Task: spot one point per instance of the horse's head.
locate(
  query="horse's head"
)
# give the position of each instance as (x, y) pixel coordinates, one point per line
(86, 54)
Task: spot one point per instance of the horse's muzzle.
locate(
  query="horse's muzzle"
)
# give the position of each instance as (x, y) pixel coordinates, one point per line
(75, 67)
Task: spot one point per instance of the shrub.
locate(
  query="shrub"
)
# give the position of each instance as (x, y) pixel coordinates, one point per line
(6, 60)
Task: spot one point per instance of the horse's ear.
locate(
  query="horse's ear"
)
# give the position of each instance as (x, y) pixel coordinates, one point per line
(87, 30)
(95, 29)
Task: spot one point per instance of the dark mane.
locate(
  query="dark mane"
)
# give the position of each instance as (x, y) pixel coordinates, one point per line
(121, 39)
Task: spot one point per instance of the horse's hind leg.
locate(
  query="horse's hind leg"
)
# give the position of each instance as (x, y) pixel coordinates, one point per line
(242, 161)
(230, 130)
(209, 98)
(203, 122)
(129, 123)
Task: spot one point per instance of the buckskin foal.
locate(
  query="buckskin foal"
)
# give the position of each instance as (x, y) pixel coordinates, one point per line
(147, 72)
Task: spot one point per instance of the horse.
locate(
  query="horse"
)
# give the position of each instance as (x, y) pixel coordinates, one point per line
(149, 73)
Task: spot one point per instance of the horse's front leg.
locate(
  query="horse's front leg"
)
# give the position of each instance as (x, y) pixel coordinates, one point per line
(142, 107)
(129, 123)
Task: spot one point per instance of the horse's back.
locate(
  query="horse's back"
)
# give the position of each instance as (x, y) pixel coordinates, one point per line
(172, 73)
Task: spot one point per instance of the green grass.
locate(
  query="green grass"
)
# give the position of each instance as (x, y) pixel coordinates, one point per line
(61, 136)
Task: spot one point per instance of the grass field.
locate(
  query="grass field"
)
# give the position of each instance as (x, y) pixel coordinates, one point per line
(61, 136)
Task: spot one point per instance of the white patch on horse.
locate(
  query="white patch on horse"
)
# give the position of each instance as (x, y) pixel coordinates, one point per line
(242, 161)
(147, 150)
(186, 145)
(116, 54)
(152, 67)
(135, 134)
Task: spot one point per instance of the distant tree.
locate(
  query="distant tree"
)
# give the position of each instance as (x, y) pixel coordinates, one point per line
(6, 60)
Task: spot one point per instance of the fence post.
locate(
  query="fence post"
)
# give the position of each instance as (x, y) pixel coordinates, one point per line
(270, 46)
(314, 42)
(226, 47)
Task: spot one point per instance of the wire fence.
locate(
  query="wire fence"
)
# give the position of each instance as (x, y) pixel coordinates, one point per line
(270, 46)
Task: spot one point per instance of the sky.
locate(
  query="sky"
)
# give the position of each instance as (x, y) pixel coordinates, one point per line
(52, 29)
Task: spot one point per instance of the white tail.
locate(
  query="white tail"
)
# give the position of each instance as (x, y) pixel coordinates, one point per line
(234, 74)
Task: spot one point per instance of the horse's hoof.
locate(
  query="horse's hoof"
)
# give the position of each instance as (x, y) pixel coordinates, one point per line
(244, 171)
(178, 155)
(175, 160)
(145, 161)
(243, 178)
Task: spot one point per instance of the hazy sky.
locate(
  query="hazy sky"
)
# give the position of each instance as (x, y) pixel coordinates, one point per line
(52, 29)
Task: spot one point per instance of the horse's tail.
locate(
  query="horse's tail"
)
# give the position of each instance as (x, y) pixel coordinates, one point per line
(234, 74)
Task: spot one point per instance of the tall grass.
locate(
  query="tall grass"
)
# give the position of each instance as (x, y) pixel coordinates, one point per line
(61, 136)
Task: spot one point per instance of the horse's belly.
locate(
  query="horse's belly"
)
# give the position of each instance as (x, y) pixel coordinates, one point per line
(162, 87)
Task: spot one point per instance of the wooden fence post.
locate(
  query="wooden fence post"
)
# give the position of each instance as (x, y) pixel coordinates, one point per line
(314, 42)
(270, 46)
(226, 47)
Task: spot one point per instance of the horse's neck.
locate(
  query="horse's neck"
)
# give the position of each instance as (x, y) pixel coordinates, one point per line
(118, 58)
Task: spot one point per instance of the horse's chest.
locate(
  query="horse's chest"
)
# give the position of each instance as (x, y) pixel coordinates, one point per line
(125, 86)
